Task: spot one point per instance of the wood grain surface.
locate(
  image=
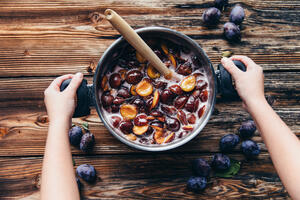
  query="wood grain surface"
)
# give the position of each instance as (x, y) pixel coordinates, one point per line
(23, 132)
(40, 40)
(133, 177)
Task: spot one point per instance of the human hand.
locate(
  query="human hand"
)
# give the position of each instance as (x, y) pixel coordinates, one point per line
(61, 105)
(249, 84)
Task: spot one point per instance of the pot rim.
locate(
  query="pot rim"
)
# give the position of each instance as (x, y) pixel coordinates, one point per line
(166, 146)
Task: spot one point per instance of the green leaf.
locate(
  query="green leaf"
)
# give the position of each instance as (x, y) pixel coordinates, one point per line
(233, 170)
(227, 54)
(85, 125)
(73, 162)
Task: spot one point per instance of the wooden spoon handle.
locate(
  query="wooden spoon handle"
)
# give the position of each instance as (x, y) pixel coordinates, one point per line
(137, 42)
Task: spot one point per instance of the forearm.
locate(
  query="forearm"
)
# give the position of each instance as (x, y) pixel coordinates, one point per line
(58, 179)
(282, 144)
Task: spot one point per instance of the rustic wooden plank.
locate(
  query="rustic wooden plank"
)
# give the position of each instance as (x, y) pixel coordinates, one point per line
(284, 86)
(32, 8)
(54, 56)
(33, 88)
(23, 131)
(171, 8)
(56, 5)
(64, 37)
(156, 176)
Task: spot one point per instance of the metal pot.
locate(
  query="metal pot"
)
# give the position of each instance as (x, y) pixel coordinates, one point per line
(87, 95)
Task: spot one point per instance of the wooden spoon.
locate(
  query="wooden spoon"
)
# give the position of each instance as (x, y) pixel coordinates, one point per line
(137, 42)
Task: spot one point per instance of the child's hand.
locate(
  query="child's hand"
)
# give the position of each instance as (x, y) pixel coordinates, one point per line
(249, 84)
(61, 105)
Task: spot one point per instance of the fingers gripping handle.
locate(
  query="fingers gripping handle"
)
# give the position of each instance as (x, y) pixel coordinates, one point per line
(225, 83)
(83, 103)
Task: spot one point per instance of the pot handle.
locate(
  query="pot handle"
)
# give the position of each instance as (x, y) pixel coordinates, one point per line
(85, 97)
(225, 83)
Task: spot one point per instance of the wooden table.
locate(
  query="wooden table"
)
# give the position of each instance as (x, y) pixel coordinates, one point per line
(40, 41)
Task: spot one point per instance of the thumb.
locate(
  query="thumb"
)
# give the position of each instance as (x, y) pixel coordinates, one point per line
(75, 82)
(230, 67)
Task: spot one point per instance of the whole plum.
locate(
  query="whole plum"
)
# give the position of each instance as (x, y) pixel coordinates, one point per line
(201, 167)
(247, 129)
(250, 148)
(211, 16)
(196, 184)
(86, 172)
(134, 76)
(220, 162)
(228, 142)
(75, 135)
(232, 32)
(115, 80)
(166, 96)
(173, 124)
(87, 142)
(106, 99)
(237, 15)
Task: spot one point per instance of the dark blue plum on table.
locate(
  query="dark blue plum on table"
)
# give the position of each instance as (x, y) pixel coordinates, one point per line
(229, 142)
(211, 16)
(220, 162)
(87, 142)
(75, 135)
(196, 184)
(201, 167)
(250, 149)
(86, 172)
(232, 32)
(247, 129)
(237, 15)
